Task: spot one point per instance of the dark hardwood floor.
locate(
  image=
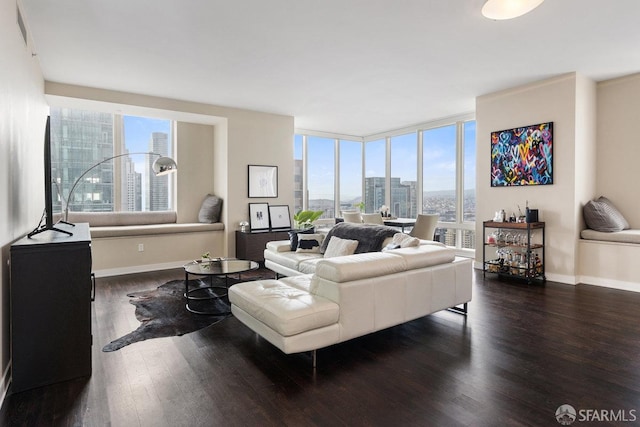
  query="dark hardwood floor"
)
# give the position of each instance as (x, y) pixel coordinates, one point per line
(523, 351)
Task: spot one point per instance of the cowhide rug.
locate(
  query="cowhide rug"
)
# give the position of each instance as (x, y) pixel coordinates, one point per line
(162, 311)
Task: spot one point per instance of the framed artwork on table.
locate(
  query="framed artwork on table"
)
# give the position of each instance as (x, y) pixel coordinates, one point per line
(259, 216)
(522, 156)
(263, 181)
(279, 215)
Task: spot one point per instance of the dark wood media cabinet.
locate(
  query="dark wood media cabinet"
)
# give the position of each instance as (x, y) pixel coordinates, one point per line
(50, 297)
(250, 245)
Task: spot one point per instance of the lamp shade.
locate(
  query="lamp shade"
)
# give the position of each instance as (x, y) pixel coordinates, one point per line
(508, 9)
(164, 166)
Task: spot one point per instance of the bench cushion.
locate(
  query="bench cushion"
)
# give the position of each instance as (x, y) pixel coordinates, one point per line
(111, 219)
(624, 236)
(286, 310)
(153, 229)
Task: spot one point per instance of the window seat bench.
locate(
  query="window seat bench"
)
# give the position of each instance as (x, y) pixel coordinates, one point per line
(610, 259)
(624, 236)
(119, 224)
(129, 242)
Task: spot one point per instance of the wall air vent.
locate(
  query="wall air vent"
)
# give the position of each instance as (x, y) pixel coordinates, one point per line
(23, 29)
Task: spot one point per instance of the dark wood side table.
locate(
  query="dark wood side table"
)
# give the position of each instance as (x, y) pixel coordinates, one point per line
(250, 245)
(51, 307)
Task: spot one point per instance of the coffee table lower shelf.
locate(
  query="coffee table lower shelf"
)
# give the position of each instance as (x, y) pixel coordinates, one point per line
(213, 268)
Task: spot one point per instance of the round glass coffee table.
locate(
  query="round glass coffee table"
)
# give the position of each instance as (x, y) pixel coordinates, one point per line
(213, 268)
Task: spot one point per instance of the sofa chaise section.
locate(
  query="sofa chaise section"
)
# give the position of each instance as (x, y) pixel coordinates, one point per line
(351, 296)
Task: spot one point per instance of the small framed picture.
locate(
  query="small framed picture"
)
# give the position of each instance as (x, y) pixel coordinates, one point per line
(259, 216)
(263, 181)
(279, 215)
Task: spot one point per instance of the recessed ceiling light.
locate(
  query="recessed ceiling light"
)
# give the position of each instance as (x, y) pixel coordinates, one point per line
(508, 9)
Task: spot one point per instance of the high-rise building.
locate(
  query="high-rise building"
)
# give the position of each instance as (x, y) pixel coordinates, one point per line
(374, 193)
(158, 186)
(468, 239)
(79, 140)
(131, 186)
(403, 196)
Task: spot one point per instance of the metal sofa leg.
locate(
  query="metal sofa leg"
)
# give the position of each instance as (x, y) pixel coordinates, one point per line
(460, 310)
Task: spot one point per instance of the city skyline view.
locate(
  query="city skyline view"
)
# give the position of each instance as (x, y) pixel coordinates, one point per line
(81, 140)
(137, 132)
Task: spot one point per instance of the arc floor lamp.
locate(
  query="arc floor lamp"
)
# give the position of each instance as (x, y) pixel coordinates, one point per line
(161, 166)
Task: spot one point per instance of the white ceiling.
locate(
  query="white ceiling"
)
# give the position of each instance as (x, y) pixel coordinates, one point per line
(355, 67)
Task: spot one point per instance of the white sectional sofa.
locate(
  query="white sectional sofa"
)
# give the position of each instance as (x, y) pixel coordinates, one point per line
(325, 301)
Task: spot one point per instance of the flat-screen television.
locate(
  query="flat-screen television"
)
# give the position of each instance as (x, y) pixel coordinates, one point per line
(46, 222)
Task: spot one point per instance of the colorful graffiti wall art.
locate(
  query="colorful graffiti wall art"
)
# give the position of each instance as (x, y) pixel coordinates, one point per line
(522, 156)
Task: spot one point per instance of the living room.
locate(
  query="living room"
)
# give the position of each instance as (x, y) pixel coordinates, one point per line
(594, 152)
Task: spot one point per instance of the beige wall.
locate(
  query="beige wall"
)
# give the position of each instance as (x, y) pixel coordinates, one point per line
(569, 102)
(195, 147)
(618, 145)
(22, 118)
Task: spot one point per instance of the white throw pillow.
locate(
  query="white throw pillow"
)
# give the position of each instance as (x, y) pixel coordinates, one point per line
(340, 247)
(309, 243)
(404, 240)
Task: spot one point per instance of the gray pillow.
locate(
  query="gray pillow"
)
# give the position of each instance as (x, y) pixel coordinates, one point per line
(210, 209)
(615, 212)
(602, 215)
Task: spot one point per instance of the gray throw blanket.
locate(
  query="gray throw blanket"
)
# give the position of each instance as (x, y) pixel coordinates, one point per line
(369, 236)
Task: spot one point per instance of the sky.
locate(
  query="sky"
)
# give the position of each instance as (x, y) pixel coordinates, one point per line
(137, 134)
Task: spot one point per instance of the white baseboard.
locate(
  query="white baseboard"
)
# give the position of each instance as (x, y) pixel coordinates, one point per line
(139, 269)
(610, 283)
(561, 278)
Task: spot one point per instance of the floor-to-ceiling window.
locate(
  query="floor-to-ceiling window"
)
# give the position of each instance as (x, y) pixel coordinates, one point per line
(428, 169)
(404, 176)
(328, 173)
(298, 173)
(350, 161)
(448, 170)
(469, 185)
(321, 175)
(439, 178)
(375, 174)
